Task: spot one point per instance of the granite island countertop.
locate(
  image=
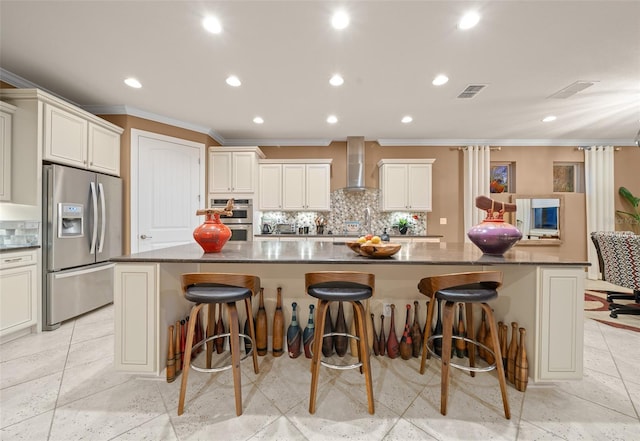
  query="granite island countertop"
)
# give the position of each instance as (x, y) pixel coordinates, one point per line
(318, 252)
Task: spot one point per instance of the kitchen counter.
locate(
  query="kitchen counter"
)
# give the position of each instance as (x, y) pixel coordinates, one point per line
(543, 294)
(10, 248)
(265, 252)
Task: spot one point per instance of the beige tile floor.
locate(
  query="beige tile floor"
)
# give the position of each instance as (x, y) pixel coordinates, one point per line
(61, 386)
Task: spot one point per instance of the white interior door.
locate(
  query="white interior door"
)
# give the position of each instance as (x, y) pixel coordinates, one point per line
(167, 187)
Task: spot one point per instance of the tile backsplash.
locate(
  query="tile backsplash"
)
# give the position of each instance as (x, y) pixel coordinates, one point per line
(19, 233)
(347, 211)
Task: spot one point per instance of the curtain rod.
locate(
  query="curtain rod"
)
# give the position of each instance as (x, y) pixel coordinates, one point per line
(615, 149)
(492, 149)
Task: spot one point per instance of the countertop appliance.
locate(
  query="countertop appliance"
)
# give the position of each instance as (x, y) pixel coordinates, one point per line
(241, 222)
(82, 231)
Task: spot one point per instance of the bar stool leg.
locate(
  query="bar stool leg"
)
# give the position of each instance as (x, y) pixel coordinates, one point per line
(187, 355)
(317, 351)
(427, 334)
(363, 346)
(234, 343)
(498, 356)
(447, 333)
(356, 327)
(252, 334)
(471, 334)
(211, 329)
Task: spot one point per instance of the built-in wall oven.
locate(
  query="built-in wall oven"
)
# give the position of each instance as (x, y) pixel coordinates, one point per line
(241, 222)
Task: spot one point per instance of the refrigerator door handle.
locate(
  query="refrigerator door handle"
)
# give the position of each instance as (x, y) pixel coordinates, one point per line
(103, 217)
(94, 232)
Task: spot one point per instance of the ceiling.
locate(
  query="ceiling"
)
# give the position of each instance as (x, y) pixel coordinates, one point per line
(284, 52)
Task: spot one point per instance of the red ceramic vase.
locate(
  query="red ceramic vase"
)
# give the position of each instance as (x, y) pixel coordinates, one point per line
(494, 236)
(212, 235)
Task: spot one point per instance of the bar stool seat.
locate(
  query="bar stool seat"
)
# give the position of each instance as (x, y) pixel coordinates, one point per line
(210, 289)
(468, 289)
(340, 286)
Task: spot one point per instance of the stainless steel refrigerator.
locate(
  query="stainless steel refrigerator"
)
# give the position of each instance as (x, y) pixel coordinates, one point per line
(82, 230)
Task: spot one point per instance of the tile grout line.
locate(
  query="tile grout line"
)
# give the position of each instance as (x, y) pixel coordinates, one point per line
(624, 383)
(66, 359)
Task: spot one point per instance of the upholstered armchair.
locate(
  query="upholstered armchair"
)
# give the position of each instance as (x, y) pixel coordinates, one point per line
(619, 253)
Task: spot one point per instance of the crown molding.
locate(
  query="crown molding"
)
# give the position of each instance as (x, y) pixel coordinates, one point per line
(419, 142)
(22, 83)
(140, 113)
(279, 142)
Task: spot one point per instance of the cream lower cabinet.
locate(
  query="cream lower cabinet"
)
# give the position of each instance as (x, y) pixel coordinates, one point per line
(405, 184)
(142, 308)
(18, 291)
(560, 315)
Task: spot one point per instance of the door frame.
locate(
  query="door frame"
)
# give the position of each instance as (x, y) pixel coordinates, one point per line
(136, 134)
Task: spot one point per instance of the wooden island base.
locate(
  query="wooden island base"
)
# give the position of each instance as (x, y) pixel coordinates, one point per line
(540, 293)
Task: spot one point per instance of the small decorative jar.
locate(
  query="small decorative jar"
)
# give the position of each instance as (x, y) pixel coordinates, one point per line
(493, 235)
(212, 235)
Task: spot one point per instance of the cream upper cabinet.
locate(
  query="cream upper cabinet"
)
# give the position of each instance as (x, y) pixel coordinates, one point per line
(70, 138)
(304, 185)
(270, 187)
(294, 185)
(18, 291)
(405, 184)
(65, 137)
(6, 127)
(233, 170)
(318, 187)
(104, 150)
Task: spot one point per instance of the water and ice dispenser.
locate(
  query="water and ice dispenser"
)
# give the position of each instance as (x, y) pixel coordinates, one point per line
(70, 220)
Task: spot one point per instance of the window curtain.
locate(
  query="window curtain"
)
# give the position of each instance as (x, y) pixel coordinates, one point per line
(600, 194)
(476, 182)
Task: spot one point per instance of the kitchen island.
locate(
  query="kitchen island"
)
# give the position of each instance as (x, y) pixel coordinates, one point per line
(544, 294)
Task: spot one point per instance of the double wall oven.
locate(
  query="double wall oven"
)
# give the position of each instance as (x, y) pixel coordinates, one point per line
(241, 223)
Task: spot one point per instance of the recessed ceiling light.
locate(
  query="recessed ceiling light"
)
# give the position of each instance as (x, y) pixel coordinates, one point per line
(549, 118)
(440, 80)
(233, 81)
(332, 119)
(336, 80)
(340, 20)
(406, 119)
(212, 24)
(258, 120)
(468, 20)
(132, 82)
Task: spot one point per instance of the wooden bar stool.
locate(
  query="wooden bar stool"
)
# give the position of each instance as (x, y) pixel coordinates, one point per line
(340, 286)
(465, 288)
(211, 289)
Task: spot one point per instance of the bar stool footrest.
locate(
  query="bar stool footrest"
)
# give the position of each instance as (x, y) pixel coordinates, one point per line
(459, 366)
(214, 337)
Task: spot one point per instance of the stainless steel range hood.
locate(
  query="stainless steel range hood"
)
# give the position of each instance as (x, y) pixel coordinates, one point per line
(355, 163)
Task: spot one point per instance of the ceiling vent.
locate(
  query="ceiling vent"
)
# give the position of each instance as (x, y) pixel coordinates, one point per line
(572, 89)
(471, 90)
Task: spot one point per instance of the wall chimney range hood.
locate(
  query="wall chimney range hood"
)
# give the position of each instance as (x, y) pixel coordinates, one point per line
(355, 163)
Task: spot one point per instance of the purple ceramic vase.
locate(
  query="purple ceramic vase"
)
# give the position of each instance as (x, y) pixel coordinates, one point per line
(494, 236)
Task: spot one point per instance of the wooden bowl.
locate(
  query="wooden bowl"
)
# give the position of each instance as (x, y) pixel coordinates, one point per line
(355, 247)
(380, 250)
